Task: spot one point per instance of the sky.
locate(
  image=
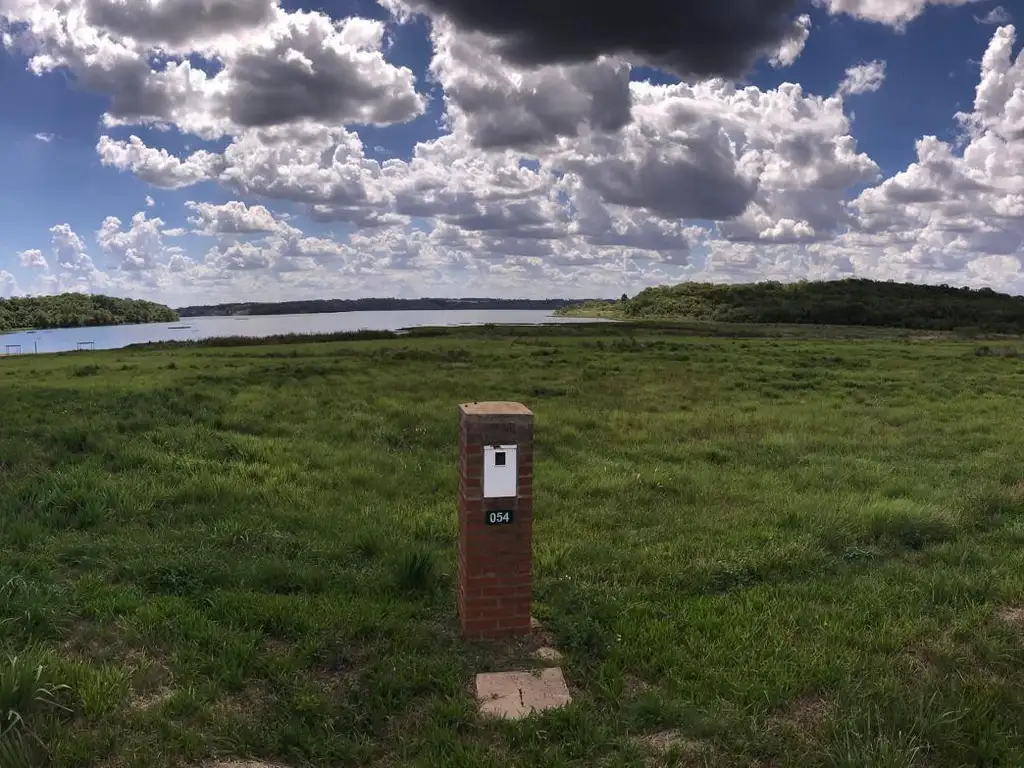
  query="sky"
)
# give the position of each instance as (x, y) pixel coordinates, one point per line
(202, 151)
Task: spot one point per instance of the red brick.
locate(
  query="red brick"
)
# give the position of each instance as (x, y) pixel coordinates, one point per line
(513, 627)
(498, 614)
(494, 562)
(480, 627)
(476, 600)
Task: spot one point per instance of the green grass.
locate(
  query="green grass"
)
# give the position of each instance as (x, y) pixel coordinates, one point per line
(774, 551)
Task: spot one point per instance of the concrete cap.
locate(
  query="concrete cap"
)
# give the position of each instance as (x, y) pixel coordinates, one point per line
(514, 695)
(495, 409)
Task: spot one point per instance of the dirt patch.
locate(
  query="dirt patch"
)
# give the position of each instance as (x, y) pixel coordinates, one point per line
(1012, 616)
(103, 644)
(919, 661)
(547, 653)
(945, 655)
(336, 685)
(810, 712)
(802, 716)
(144, 702)
(146, 673)
(277, 646)
(633, 687)
(246, 703)
(337, 668)
(673, 742)
(97, 644)
(92, 642)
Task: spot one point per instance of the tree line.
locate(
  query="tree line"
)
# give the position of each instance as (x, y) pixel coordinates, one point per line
(76, 310)
(852, 301)
(363, 305)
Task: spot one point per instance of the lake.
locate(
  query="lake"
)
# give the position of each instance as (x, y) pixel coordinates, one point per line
(190, 328)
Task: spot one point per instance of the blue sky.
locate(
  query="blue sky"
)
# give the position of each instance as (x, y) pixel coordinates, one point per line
(416, 185)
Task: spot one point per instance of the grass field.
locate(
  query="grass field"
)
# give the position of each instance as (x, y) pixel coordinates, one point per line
(752, 551)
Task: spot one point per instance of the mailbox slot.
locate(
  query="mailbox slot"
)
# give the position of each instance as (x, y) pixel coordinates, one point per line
(500, 472)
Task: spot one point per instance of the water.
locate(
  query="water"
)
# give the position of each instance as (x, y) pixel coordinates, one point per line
(116, 336)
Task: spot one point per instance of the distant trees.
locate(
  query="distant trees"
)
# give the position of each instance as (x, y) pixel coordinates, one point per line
(365, 305)
(839, 302)
(74, 310)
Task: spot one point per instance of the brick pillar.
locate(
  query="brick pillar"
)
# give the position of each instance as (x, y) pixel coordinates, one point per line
(495, 531)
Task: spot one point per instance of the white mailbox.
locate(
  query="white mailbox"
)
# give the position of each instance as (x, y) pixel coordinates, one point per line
(500, 472)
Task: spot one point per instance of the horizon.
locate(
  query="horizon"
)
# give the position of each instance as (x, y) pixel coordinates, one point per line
(289, 150)
(531, 298)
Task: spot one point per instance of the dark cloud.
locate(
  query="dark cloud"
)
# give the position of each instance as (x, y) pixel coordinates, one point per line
(696, 179)
(500, 105)
(175, 22)
(524, 219)
(340, 76)
(694, 189)
(557, 104)
(274, 91)
(898, 193)
(690, 37)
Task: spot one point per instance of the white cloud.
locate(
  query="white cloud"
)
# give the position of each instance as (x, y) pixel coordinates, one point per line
(997, 16)
(995, 270)
(770, 165)
(8, 285)
(274, 67)
(554, 176)
(33, 259)
(894, 13)
(793, 46)
(999, 98)
(136, 249)
(46, 138)
(863, 78)
(290, 251)
(306, 163)
(232, 218)
(240, 256)
(69, 267)
(137, 261)
(156, 166)
(952, 210)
